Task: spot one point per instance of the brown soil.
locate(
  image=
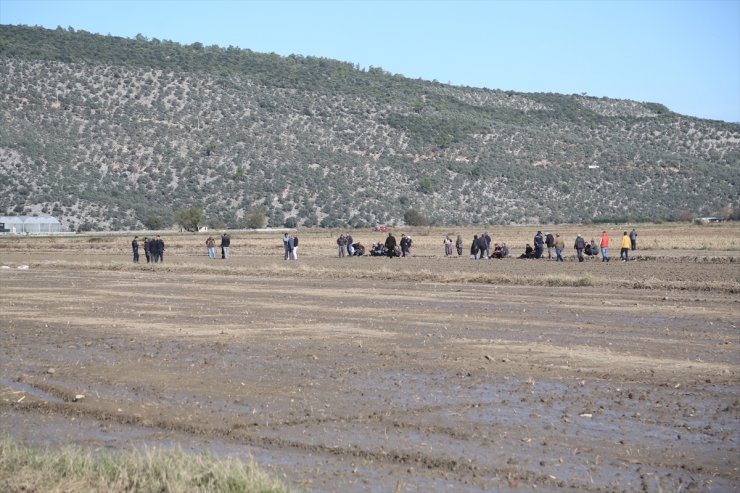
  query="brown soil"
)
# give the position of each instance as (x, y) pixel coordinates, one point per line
(387, 384)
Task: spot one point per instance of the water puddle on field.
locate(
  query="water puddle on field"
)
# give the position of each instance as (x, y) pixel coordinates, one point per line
(23, 388)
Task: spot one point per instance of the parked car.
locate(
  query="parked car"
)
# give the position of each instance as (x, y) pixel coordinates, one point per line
(381, 228)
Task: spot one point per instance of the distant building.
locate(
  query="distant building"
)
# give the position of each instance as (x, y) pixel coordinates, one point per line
(29, 224)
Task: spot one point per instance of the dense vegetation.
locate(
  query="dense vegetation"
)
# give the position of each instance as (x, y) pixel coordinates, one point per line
(114, 133)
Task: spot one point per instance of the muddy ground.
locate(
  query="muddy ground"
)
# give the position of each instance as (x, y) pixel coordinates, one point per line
(379, 385)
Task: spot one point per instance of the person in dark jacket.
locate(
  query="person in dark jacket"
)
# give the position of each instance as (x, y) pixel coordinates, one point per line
(286, 251)
(405, 245)
(550, 243)
(390, 245)
(474, 248)
(154, 250)
(359, 249)
(539, 244)
(135, 248)
(341, 243)
(159, 242)
(579, 245)
(291, 247)
(482, 247)
(349, 241)
(225, 244)
(147, 249)
(295, 247)
(528, 252)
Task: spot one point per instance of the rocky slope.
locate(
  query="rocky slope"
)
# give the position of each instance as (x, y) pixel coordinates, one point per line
(105, 132)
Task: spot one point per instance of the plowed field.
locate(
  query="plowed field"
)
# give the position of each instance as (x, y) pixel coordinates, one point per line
(379, 375)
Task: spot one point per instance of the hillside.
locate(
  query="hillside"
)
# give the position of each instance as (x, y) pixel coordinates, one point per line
(105, 132)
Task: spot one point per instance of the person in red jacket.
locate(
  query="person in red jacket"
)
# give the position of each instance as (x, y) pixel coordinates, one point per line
(604, 246)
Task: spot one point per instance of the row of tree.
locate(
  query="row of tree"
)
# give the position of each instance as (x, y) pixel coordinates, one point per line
(193, 218)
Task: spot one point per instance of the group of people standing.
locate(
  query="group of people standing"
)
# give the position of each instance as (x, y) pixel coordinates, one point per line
(391, 248)
(290, 246)
(583, 248)
(346, 245)
(629, 242)
(540, 242)
(153, 249)
(480, 247)
(225, 246)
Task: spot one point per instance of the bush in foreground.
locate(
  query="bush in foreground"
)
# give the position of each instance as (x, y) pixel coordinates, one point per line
(25, 468)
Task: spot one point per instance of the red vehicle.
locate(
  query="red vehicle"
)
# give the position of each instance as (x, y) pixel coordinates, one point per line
(381, 228)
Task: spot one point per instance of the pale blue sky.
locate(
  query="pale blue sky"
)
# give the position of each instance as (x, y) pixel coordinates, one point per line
(684, 54)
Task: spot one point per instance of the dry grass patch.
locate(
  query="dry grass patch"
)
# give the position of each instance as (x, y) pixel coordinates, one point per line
(571, 281)
(25, 468)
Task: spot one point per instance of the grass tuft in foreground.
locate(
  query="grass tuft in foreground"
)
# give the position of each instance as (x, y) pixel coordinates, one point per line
(25, 468)
(569, 281)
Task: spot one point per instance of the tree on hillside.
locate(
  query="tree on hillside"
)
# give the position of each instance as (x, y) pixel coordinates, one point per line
(256, 219)
(189, 218)
(426, 185)
(412, 217)
(153, 222)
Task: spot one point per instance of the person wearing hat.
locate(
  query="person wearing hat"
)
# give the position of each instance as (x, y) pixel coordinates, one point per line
(579, 245)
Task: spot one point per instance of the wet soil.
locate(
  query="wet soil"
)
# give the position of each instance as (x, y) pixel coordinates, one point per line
(362, 385)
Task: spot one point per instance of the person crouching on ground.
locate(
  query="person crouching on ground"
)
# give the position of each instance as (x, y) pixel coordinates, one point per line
(528, 252)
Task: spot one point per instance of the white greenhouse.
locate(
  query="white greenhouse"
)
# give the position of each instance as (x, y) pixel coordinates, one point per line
(30, 224)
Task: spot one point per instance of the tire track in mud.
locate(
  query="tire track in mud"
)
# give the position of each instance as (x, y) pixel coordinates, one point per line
(398, 457)
(467, 470)
(464, 470)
